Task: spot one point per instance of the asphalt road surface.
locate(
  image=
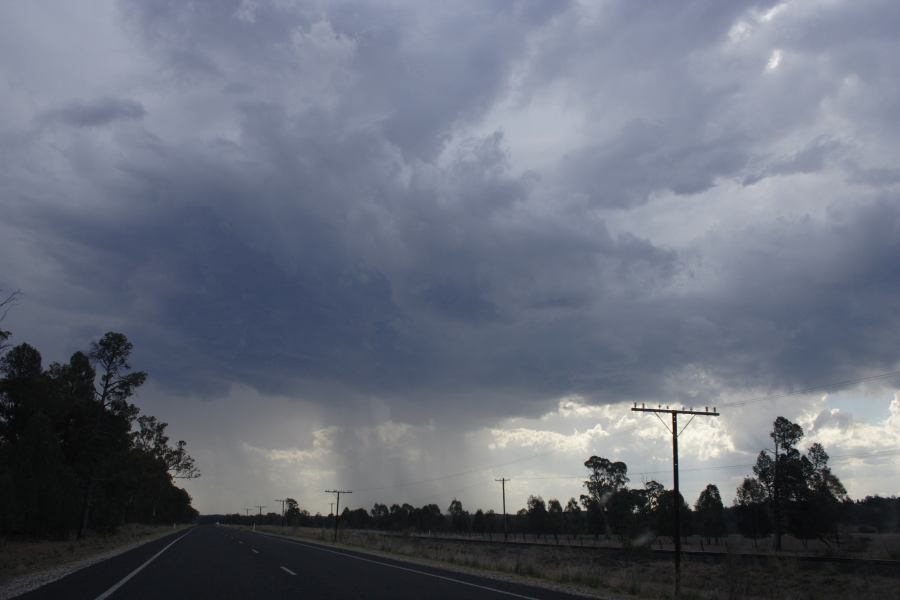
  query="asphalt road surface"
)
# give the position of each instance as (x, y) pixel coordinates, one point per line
(219, 562)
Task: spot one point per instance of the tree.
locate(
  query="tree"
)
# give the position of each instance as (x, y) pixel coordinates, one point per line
(537, 514)
(555, 517)
(459, 518)
(817, 509)
(605, 479)
(380, 515)
(150, 437)
(800, 490)
(292, 511)
(782, 473)
(665, 518)
(572, 517)
(751, 507)
(479, 522)
(116, 385)
(710, 513)
(66, 433)
(5, 303)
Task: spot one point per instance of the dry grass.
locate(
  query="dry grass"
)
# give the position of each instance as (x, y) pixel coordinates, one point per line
(22, 557)
(636, 574)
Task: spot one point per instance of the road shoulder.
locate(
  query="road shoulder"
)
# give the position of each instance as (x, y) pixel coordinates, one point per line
(26, 582)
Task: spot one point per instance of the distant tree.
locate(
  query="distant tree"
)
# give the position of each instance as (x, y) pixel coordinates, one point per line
(428, 518)
(605, 479)
(536, 514)
(400, 516)
(355, 519)
(665, 514)
(876, 514)
(572, 520)
(710, 513)
(459, 518)
(816, 511)
(800, 490)
(380, 515)
(555, 517)
(479, 522)
(752, 510)
(292, 513)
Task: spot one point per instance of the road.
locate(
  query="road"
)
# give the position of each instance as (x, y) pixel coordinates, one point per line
(223, 563)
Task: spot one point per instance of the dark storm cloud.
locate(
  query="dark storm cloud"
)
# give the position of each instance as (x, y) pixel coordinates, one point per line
(95, 113)
(310, 204)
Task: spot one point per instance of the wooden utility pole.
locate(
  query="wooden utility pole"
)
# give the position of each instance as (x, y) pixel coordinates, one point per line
(503, 481)
(260, 507)
(338, 511)
(676, 496)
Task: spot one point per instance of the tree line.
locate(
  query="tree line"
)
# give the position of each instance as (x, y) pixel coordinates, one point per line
(75, 453)
(789, 492)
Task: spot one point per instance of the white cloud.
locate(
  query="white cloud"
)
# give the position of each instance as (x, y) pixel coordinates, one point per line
(523, 437)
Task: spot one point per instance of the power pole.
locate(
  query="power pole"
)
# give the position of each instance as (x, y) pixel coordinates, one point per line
(259, 518)
(247, 514)
(331, 508)
(337, 512)
(282, 510)
(503, 481)
(776, 484)
(676, 496)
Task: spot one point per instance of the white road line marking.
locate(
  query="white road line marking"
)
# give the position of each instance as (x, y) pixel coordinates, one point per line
(124, 580)
(254, 551)
(240, 542)
(286, 570)
(409, 570)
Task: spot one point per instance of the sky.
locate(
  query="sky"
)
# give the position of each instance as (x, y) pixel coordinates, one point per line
(407, 248)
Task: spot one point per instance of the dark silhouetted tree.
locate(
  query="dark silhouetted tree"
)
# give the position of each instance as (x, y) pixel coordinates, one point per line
(710, 513)
(536, 514)
(606, 478)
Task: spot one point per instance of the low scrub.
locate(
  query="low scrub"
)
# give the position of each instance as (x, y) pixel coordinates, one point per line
(635, 574)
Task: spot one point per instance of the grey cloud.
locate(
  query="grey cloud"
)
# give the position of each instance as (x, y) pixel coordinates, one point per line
(96, 113)
(372, 241)
(811, 159)
(643, 158)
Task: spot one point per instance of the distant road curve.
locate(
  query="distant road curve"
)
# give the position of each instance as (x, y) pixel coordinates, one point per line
(218, 562)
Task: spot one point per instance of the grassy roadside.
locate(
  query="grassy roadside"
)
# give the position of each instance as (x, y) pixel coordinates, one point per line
(20, 557)
(597, 575)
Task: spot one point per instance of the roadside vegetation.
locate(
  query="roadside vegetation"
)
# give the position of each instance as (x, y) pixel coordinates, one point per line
(21, 557)
(76, 455)
(630, 573)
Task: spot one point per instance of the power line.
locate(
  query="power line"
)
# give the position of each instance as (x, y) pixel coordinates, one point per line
(458, 474)
(815, 388)
(888, 452)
